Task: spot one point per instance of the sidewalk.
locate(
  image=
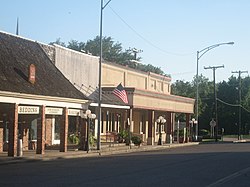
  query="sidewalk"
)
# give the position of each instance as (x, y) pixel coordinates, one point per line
(31, 156)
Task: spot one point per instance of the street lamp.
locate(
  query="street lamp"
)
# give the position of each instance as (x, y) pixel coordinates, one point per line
(100, 82)
(161, 120)
(88, 116)
(199, 55)
(193, 122)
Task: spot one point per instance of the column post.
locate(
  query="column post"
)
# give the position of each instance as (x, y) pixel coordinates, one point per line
(169, 127)
(64, 131)
(188, 127)
(41, 132)
(13, 132)
(1, 138)
(151, 127)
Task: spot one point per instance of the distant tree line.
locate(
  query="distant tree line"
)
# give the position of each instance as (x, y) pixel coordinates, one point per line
(228, 95)
(112, 52)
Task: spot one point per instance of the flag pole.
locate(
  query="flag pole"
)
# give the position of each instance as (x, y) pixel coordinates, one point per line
(17, 26)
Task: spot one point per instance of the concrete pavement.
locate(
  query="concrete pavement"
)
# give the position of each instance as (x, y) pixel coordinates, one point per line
(106, 149)
(31, 156)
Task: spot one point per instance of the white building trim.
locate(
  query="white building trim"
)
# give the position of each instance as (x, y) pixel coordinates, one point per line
(28, 99)
(110, 106)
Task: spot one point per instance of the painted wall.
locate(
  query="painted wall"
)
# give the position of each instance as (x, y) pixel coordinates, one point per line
(113, 74)
(81, 69)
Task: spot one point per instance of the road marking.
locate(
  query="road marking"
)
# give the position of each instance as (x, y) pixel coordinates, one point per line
(230, 177)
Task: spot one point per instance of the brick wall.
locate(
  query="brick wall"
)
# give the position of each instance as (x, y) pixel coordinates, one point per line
(48, 131)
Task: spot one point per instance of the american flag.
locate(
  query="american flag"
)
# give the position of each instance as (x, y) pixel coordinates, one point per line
(121, 93)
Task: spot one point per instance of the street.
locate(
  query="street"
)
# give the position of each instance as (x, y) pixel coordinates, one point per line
(222, 164)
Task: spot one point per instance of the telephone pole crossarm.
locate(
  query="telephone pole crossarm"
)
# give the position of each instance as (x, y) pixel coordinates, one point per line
(215, 99)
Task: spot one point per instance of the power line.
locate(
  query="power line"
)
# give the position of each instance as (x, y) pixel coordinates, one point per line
(146, 40)
(233, 105)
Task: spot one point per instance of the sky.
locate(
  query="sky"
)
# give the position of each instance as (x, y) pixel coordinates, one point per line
(169, 32)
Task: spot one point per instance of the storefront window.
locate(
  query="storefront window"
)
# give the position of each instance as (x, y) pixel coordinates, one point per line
(33, 130)
(142, 125)
(102, 126)
(57, 129)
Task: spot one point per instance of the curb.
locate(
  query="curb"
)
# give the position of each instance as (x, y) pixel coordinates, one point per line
(84, 154)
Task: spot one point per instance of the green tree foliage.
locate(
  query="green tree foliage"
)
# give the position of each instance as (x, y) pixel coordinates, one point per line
(228, 110)
(188, 89)
(58, 42)
(75, 45)
(185, 89)
(111, 52)
(228, 115)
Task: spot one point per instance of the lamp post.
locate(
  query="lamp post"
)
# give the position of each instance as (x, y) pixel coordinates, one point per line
(199, 55)
(88, 116)
(161, 120)
(193, 122)
(100, 82)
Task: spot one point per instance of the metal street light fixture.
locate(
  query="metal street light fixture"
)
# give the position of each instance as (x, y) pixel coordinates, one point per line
(193, 122)
(100, 82)
(88, 116)
(161, 120)
(199, 55)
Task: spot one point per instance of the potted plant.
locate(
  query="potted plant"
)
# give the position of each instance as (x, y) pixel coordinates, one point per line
(136, 140)
(181, 136)
(122, 136)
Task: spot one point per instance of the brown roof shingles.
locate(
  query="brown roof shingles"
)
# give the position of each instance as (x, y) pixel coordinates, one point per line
(16, 54)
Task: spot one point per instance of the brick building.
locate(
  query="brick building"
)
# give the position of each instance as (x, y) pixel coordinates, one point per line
(149, 95)
(44, 89)
(37, 102)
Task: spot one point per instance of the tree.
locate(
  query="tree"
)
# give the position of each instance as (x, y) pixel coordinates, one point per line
(182, 88)
(75, 45)
(58, 42)
(185, 89)
(227, 110)
(111, 51)
(228, 100)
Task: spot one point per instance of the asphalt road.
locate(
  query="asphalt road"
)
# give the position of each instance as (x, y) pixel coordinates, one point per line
(201, 165)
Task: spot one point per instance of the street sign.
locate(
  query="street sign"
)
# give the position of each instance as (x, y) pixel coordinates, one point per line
(212, 123)
(28, 110)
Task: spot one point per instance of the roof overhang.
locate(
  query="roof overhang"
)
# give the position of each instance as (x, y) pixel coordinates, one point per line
(110, 106)
(29, 99)
(162, 102)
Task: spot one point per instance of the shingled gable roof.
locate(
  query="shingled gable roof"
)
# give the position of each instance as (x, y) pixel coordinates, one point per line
(16, 54)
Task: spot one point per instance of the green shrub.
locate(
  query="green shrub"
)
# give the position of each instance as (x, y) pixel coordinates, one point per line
(92, 140)
(136, 140)
(122, 136)
(73, 139)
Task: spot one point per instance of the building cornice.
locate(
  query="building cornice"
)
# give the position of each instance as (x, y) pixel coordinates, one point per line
(41, 97)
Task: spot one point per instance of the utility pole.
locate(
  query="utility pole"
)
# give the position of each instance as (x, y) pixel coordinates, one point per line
(135, 51)
(215, 100)
(100, 81)
(17, 26)
(239, 126)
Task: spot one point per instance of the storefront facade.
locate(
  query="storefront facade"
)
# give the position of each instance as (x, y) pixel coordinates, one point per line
(149, 97)
(37, 103)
